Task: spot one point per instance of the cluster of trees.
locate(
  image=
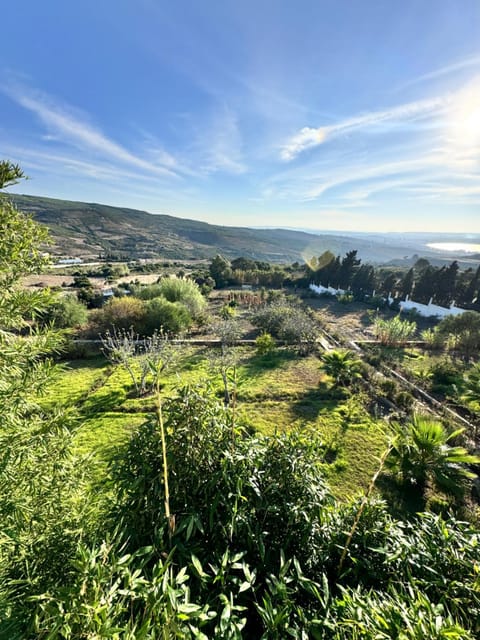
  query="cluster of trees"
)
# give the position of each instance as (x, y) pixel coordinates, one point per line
(246, 271)
(422, 282)
(172, 305)
(204, 529)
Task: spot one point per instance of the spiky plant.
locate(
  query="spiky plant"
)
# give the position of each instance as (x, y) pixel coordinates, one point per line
(421, 453)
(342, 366)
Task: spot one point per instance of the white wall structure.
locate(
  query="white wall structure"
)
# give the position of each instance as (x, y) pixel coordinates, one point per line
(429, 310)
(318, 288)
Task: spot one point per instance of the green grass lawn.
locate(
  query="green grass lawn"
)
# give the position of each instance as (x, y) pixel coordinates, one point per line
(275, 393)
(74, 380)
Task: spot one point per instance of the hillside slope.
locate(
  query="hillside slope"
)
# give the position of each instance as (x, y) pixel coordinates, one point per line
(89, 229)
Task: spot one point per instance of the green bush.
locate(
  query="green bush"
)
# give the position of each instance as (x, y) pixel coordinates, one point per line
(160, 314)
(445, 376)
(67, 312)
(147, 292)
(227, 311)
(121, 313)
(394, 332)
(289, 323)
(345, 298)
(265, 344)
(186, 292)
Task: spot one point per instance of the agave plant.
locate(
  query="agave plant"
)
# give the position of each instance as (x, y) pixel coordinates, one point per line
(421, 453)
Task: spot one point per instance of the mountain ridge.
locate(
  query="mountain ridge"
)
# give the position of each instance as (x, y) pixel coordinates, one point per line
(92, 229)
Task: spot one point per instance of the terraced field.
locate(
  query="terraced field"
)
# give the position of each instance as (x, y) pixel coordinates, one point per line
(274, 393)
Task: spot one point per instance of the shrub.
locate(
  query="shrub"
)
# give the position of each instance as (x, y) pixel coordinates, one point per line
(121, 313)
(404, 400)
(227, 311)
(445, 376)
(265, 344)
(147, 292)
(377, 301)
(270, 317)
(255, 495)
(186, 292)
(67, 312)
(343, 366)
(394, 332)
(464, 331)
(433, 338)
(388, 386)
(299, 329)
(160, 314)
(282, 320)
(345, 298)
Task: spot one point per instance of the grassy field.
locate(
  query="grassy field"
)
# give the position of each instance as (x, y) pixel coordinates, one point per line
(274, 393)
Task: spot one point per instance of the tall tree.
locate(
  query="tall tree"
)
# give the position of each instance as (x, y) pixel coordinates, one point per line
(363, 282)
(324, 268)
(472, 291)
(406, 285)
(387, 285)
(220, 271)
(446, 280)
(348, 268)
(425, 286)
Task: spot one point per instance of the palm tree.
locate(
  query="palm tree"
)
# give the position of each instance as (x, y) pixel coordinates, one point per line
(472, 385)
(343, 366)
(421, 454)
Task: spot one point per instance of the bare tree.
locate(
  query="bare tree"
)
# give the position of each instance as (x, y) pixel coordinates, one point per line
(144, 359)
(224, 360)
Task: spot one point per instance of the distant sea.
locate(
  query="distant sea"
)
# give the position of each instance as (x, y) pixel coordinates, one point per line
(455, 246)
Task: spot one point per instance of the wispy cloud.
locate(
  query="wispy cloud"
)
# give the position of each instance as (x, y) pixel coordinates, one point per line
(217, 143)
(472, 61)
(65, 125)
(309, 137)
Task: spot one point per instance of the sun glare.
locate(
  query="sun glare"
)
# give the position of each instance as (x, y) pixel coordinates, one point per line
(465, 119)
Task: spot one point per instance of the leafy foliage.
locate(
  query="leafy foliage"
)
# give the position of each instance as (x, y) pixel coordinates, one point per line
(249, 543)
(40, 482)
(394, 332)
(67, 312)
(465, 331)
(185, 292)
(291, 324)
(422, 452)
(265, 344)
(343, 366)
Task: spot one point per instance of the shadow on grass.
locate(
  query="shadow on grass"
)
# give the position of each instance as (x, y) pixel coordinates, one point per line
(403, 500)
(257, 364)
(193, 360)
(98, 362)
(321, 398)
(101, 403)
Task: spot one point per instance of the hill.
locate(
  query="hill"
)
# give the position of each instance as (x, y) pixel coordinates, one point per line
(89, 230)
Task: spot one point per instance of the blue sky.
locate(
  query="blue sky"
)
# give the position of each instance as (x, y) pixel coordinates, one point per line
(341, 114)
